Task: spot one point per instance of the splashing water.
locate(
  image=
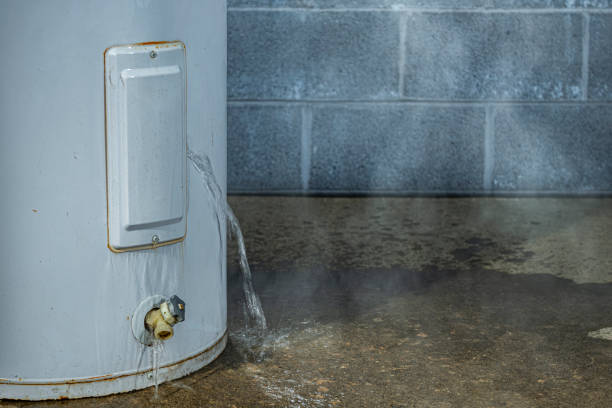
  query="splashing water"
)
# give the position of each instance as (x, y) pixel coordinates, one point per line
(223, 212)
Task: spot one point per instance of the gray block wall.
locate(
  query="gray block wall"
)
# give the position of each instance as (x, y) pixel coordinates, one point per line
(420, 97)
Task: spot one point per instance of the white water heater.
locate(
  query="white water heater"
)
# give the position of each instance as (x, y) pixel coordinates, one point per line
(108, 236)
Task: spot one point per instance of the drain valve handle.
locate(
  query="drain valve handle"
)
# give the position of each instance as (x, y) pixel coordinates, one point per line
(160, 320)
(173, 310)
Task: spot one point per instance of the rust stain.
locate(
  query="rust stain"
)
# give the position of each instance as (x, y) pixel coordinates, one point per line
(155, 43)
(158, 44)
(141, 247)
(63, 397)
(110, 377)
(99, 377)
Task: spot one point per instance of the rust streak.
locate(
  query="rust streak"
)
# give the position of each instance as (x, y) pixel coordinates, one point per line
(141, 247)
(154, 42)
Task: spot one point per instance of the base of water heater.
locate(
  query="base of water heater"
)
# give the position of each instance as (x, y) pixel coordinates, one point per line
(109, 384)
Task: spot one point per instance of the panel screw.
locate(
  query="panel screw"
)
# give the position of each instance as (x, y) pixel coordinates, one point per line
(155, 239)
(153, 54)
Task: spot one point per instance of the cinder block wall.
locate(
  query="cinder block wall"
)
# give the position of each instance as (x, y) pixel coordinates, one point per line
(420, 96)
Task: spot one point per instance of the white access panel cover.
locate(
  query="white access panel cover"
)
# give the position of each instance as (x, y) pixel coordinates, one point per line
(146, 145)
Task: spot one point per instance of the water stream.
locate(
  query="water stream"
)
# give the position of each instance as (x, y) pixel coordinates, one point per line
(201, 163)
(223, 213)
(157, 349)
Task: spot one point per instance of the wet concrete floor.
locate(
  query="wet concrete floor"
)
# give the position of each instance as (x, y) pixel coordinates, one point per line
(412, 302)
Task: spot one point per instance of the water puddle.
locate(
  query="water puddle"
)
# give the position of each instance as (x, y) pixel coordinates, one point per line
(254, 346)
(602, 334)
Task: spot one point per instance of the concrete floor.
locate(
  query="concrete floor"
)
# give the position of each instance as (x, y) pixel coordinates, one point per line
(421, 302)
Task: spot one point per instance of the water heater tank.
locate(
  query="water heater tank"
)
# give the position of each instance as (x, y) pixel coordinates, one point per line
(105, 219)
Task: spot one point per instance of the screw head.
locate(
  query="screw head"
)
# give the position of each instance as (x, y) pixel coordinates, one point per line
(155, 239)
(153, 54)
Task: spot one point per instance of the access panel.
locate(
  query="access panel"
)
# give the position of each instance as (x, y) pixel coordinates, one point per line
(146, 145)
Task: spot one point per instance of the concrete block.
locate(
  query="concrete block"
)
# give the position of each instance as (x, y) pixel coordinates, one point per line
(397, 147)
(600, 57)
(263, 148)
(312, 55)
(555, 148)
(498, 56)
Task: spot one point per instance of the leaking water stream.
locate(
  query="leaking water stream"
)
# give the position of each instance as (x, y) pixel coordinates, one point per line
(253, 310)
(157, 349)
(255, 319)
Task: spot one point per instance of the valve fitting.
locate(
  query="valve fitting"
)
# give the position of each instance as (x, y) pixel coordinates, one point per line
(160, 320)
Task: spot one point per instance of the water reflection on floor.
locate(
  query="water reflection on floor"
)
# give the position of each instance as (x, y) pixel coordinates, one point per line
(414, 303)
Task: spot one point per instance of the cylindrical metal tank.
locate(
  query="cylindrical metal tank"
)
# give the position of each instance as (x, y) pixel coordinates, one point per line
(66, 299)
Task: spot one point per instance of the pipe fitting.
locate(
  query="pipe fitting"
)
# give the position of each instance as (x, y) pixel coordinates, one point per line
(160, 320)
(155, 317)
(156, 324)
